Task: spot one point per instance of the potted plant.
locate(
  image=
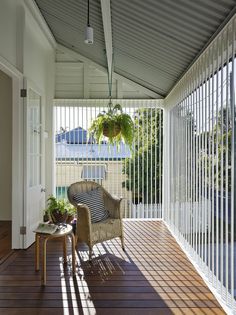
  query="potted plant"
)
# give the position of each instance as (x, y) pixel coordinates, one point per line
(71, 212)
(113, 124)
(59, 210)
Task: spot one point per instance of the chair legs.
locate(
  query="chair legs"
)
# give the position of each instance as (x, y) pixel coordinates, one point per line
(122, 242)
(90, 252)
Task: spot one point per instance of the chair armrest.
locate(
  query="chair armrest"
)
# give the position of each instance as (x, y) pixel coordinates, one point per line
(112, 204)
(83, 225)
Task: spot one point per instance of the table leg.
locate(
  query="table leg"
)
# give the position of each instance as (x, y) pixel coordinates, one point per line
(44, 279)
(65, 249)
(73, 252)
(37, 238)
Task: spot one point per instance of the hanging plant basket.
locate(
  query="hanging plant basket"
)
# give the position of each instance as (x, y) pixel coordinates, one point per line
(113, 124)
(111, 132)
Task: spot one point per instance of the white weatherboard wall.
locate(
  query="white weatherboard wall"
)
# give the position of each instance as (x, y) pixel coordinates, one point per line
(5, 142)
(27, 47)
(78, 79)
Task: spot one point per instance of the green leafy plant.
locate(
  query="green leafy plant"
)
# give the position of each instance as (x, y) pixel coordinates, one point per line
(113, 124)
(59, 209)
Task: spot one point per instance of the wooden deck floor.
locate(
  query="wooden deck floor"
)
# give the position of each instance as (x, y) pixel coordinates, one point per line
(152, 277)
(5, 240)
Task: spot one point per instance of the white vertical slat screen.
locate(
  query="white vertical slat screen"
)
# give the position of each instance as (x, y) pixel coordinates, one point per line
(136, 176)
(199, 157)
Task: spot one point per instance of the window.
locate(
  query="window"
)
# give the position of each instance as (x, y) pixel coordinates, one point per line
(93, 172)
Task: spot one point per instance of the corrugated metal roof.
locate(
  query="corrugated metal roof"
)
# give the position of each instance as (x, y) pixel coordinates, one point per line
(154, 41)
(67, 20)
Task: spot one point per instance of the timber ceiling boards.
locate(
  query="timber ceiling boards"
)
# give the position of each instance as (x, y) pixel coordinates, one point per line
(154, 41)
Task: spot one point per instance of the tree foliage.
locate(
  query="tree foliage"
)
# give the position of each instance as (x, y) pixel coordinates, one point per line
(143, 169)
(216, 150)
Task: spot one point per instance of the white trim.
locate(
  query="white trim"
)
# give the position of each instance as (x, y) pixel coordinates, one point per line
(96, 102)
(37, 15)
(17, 151)
(142, 219)
(106, 19)
(28, 211)
(9, 69)
(117, 76)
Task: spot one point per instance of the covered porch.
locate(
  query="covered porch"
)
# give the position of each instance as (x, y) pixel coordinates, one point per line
(171, 66)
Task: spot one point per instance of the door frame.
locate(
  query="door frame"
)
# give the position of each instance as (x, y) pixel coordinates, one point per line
(29, 84)
(17, 152)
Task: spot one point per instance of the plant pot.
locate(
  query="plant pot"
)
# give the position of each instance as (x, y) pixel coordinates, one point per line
(46, 217)
(58, 217)
(111, 133)
(70, 218)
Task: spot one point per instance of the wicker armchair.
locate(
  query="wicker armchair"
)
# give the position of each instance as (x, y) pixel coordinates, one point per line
(93, 233)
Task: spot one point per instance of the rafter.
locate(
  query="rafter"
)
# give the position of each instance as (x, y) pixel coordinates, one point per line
(106, 19)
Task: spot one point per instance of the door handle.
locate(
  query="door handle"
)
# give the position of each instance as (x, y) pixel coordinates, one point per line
(43, 189)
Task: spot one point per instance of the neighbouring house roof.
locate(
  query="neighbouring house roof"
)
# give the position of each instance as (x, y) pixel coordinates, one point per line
(75, 152)
(76, 136)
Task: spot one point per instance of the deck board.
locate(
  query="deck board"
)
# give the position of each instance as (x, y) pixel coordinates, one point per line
(153, 276)
(5, 240)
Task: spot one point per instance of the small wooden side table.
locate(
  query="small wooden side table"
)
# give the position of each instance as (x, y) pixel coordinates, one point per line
(63, 232)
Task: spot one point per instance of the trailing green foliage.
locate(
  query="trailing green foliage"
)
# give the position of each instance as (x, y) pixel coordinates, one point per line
(119, 126)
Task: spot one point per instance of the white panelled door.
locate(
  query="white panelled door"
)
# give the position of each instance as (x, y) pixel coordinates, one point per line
(34, 161)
